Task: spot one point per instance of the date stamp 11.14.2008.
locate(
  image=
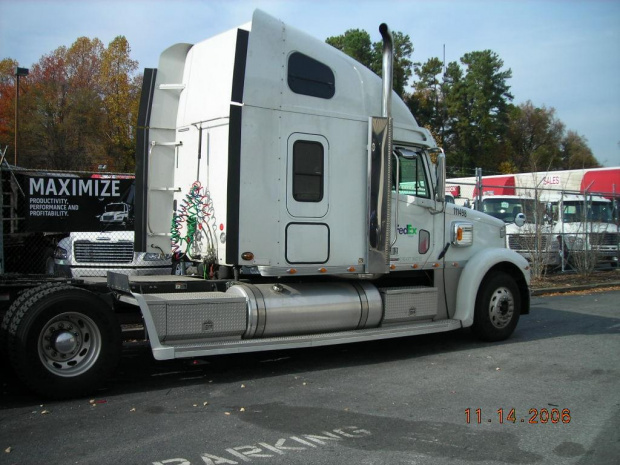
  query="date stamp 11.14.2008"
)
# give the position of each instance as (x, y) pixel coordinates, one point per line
(534, 416)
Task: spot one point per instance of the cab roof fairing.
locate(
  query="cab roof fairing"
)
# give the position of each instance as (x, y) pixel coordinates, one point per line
(208, 79)
(357, 89)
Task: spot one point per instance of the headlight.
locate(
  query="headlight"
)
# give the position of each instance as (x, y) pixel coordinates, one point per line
(60, 253)
(150, 257)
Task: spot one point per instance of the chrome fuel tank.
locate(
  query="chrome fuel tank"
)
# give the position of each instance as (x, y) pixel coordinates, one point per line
(292, 309)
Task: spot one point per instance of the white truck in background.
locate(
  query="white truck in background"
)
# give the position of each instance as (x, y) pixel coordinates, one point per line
(528, 229)
(117, 213)
(585, 223)
(91, 254)
(304, 188)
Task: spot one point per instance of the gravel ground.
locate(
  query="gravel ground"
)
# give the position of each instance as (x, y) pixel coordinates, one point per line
(569, 280)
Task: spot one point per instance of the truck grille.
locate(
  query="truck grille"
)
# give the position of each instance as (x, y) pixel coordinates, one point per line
(526, 242)
(102, 252)
(601, 239)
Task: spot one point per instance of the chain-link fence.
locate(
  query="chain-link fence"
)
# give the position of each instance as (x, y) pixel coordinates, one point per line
(553, 228)
(71, 224)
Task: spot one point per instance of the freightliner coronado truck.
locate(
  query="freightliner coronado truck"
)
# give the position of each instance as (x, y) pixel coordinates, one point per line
(307, 192)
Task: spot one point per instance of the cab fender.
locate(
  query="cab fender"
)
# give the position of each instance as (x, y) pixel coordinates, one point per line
(482, 264)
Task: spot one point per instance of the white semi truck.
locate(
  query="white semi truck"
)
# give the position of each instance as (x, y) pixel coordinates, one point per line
(90, 254)
(309, 199)
(585, 224)
(529, 231)
(117, 213)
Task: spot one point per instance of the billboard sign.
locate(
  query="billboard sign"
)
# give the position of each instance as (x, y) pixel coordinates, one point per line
(72, 203)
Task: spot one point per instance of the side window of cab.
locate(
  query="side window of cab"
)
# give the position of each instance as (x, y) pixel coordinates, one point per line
(412, 179)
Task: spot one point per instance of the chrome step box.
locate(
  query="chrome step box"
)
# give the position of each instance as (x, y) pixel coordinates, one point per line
(408, 304)
(197, 315)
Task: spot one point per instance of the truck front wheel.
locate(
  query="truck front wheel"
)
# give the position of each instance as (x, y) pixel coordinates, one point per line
(64, 342)
(498, 307)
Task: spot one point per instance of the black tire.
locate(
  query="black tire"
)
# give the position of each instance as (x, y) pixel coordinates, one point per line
(498, 307)
(23, 297)
(63, 341)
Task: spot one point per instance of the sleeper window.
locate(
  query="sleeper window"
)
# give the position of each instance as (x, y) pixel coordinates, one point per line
(308, 171)
(308, 76)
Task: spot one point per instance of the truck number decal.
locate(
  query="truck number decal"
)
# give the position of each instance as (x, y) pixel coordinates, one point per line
(460, 212)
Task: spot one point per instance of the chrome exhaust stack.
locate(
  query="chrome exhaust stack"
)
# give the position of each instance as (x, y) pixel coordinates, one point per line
(380, 170)
(387, 70)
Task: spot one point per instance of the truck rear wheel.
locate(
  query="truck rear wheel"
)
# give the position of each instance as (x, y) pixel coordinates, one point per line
(498, 307)
(22, 298)
(63, 341)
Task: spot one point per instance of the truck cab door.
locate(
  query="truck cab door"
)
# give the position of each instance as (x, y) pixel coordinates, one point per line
(307, 234)
(414, 230)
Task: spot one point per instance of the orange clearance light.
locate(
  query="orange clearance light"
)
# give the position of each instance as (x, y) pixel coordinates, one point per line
(249, 256)
(351, 269)
(415, 266)
(322, 270)
(291, 271)
(459, 234)
(436, 265)
(392, 267)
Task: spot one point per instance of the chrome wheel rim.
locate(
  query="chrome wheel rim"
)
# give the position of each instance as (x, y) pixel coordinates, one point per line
(69, 344)
(501, 307)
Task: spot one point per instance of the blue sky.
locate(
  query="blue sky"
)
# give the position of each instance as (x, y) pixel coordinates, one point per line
(563, 54)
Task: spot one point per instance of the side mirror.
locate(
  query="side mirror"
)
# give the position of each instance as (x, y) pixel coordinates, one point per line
(520, 219)
(440, 188)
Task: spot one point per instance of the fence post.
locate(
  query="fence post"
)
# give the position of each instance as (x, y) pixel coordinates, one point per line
(479, 186)
(561, 220)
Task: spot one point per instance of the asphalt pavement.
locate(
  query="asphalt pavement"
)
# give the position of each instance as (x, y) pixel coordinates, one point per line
(548, 395)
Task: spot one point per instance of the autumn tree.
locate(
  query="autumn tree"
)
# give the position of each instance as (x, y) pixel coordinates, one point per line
(48, 131)
(78, 107)
(533, 138)
(63, 130)
(83, 68)
(121, 96)
(7, 105)
(575, 153)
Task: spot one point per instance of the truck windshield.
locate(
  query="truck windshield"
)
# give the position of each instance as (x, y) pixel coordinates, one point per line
(507, 209)
(115, 207)
(600, 212)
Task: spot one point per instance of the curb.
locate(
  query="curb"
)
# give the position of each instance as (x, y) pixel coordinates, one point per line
(562, 290)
